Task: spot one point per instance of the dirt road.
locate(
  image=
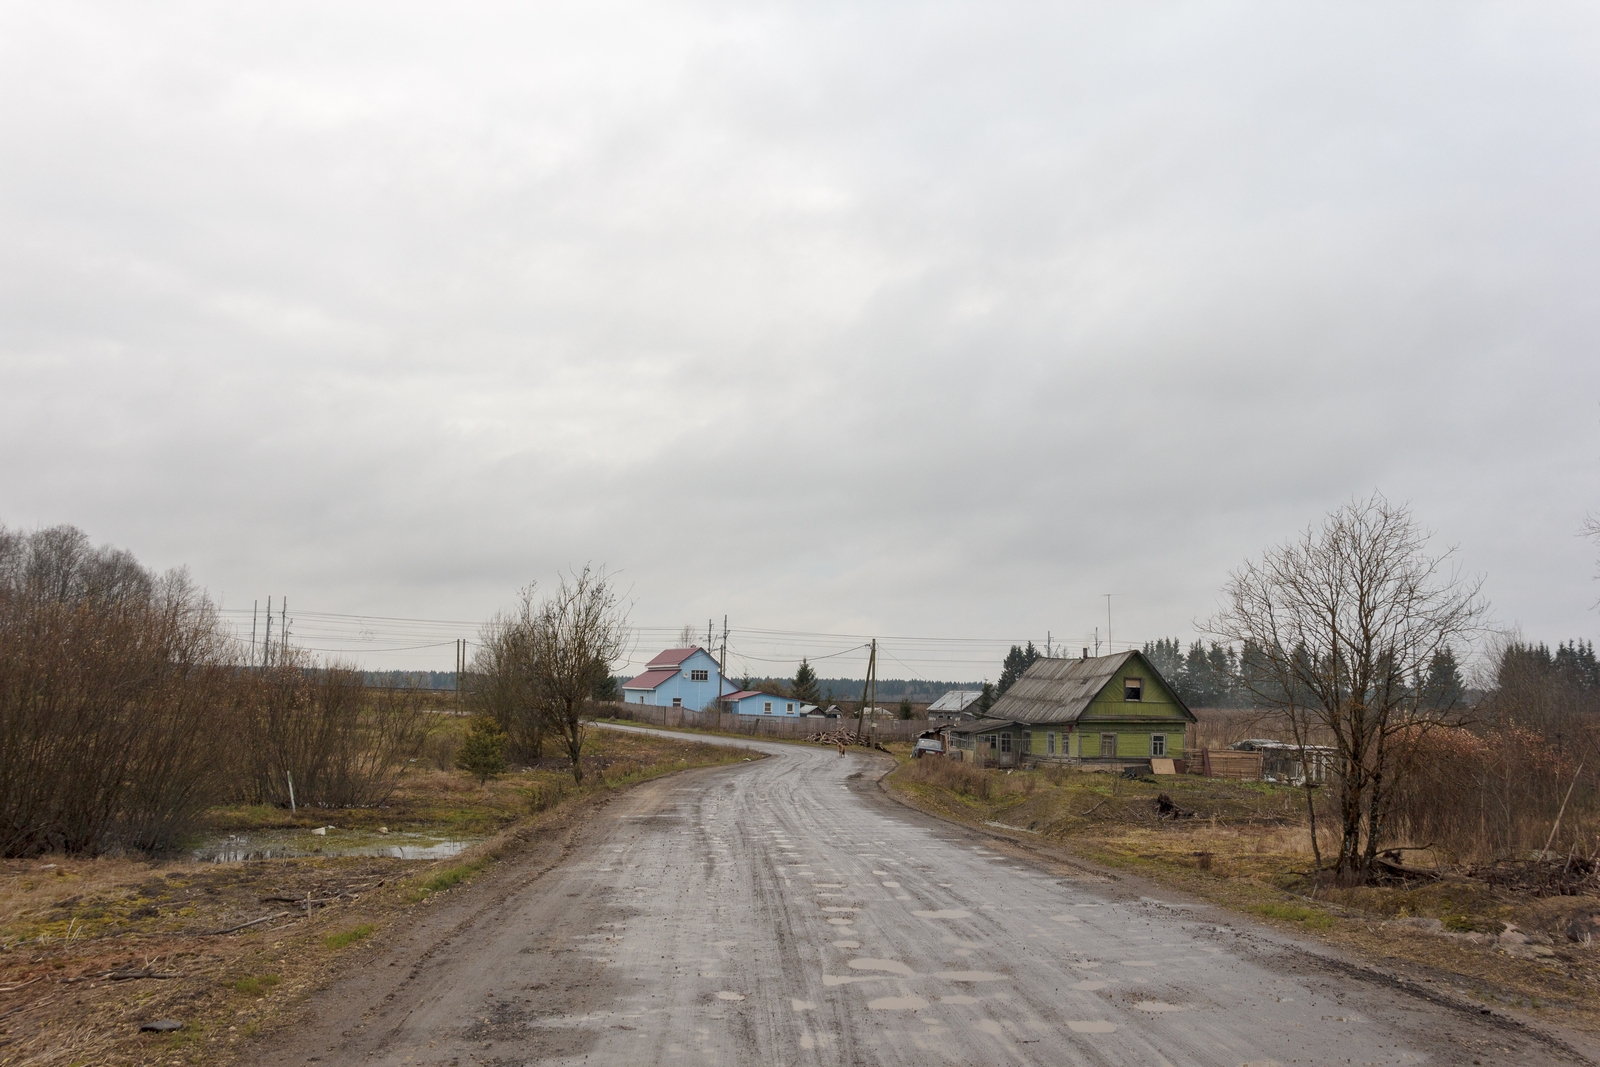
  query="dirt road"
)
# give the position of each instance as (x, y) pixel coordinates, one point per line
(786, 912)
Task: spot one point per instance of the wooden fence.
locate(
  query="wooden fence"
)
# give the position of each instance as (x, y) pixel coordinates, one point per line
(760, 725)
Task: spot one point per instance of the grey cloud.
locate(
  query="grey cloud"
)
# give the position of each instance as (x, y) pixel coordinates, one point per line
(908, 318)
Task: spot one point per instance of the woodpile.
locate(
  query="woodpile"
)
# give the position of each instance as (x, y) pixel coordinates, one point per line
(845, 737)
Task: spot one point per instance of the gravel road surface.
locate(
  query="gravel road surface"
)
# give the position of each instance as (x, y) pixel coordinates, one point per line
(785, 911)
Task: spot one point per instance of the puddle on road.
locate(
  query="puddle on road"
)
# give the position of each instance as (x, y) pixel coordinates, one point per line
(892, 966)
(907, 1003)
(288, 844)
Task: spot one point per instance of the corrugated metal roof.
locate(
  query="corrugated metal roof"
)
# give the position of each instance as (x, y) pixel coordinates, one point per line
(956, 700)
(650, 679)
(1059, 690)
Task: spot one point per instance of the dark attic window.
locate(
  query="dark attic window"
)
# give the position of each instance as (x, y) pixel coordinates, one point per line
(1133, 689)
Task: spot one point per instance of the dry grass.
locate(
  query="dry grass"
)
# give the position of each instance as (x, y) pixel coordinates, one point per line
(1248, 848)
(67, 926)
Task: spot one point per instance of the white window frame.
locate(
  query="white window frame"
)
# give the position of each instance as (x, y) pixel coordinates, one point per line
(1158, 745)
(1135, 687)
(677, 702)
(788, 709)
(700, 676)
(1005, 742)
(1049, 744)
(768, 709)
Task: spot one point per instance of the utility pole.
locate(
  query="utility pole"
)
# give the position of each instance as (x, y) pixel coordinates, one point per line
(283, 629)
(869, 686)
(255, 612)
(266, 641)
(1047, 644)
(722, 663)
(1109, 648)
(1097, 641)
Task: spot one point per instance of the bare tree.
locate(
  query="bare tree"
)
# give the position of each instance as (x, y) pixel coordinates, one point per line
(500, 682)
(1337, 627)
(1591, 530)
(578, 633)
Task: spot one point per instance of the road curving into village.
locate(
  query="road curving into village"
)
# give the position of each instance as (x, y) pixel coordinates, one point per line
(785, 911)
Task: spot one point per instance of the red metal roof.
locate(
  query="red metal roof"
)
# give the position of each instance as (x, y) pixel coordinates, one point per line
(672, 657)
(741, 694)
(650, 679)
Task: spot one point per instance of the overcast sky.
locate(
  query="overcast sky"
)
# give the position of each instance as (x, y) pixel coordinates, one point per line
(905, 319)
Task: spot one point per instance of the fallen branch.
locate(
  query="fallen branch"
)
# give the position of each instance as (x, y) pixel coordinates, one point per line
(1092, 810)
(243, 926)
(125, 975)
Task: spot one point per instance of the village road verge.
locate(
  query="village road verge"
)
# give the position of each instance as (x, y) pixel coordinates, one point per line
(1245, 848)
(90, 950)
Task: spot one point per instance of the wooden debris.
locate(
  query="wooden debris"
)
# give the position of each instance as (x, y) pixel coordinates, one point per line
(1166, 809)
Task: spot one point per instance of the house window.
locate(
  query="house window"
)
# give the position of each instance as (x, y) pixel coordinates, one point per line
(699, 676)
(1049, 744)
(1108, 745)
(677, 702)
(1133, 689)
(789, 708)
(1158, 744)
(1005, 742)
(1027, 742)
(768, 710)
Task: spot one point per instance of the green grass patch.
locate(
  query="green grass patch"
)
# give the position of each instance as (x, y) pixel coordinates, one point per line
(1311, 917)
(348, 937)
(255, 987)
(448, 878)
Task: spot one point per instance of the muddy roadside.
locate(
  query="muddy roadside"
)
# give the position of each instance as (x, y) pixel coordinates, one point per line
(1527, 978)
(92, 950)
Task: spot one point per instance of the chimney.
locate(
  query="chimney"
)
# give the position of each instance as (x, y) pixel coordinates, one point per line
(1086, 653)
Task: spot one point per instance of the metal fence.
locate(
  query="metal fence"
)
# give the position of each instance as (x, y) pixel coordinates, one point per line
(882, 730)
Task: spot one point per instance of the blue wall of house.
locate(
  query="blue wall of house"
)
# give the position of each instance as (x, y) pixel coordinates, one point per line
(693, 694)
(758, 704)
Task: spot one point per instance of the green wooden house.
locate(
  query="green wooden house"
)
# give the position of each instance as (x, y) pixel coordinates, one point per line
(1115, 708)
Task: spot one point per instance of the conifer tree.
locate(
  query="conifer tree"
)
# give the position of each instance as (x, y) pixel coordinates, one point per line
(483, 752)
(804, 687)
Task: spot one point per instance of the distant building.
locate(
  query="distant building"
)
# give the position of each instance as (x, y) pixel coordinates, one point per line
(955, 705)
(755, 702)
(678, 678)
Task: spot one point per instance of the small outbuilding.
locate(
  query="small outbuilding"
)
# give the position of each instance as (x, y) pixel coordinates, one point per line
(755, 702)
(955, 706)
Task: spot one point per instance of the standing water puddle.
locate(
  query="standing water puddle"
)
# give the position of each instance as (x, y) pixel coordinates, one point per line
(287, 844)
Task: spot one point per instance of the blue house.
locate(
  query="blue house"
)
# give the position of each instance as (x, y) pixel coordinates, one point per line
(755, 702)
(678, 678)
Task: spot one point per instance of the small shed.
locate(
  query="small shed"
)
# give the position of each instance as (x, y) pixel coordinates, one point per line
(955, 706)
